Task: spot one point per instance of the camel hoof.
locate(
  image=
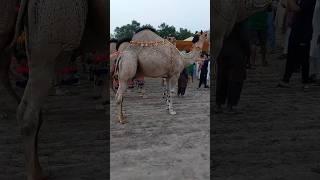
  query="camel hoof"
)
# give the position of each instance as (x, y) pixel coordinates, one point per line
(122, 120)
(173, 112)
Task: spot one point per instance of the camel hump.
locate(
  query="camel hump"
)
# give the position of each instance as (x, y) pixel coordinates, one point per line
(121, 41)
(113, 40)
(146, 28)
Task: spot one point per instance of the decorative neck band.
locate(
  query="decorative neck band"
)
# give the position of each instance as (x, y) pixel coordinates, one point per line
(197, 48)
(115, 54)
(148, 43)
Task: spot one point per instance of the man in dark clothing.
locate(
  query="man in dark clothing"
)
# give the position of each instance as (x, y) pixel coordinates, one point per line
(231, 67)
(183, 82)
(204, 72)
(299, 43)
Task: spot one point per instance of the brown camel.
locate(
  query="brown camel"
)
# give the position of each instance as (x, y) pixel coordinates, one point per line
(152, 56)
(53, 30)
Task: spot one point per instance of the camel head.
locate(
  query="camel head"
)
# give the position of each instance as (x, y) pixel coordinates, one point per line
(172, 40)
(198, 40)
(197, 45)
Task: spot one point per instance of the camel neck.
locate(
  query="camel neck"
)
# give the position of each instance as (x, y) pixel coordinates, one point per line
(190, 58)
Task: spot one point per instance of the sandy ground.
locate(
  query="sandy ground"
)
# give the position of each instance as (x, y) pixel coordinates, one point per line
(73, 139)
(155, 145)
(276, 137)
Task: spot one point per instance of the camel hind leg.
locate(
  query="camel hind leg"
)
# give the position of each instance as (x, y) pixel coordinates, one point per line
(29, 111)
(127, 70)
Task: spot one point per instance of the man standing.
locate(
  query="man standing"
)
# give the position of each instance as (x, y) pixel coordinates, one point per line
(231, 68)
(299, 41)
(204, 72)
(258, 24)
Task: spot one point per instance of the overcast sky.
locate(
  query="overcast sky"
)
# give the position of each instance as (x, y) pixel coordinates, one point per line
(191, 14)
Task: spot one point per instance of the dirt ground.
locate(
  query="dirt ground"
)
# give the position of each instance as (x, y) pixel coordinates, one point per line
(277, 135)
(155, 145)
(73, 139)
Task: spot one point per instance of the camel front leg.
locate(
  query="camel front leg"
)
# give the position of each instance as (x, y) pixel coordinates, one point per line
(164, 94)
(119, 99)
(171, 86)
(142, 90)
(167, 93)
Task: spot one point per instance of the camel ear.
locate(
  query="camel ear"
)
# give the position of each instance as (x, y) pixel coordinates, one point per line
(196, 32)
(201, 32)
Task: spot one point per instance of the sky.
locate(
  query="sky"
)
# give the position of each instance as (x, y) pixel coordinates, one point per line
(191, 14)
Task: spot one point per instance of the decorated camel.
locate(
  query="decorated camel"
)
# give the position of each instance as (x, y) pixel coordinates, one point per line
(152, 56)
(226, 13)
(47, 25)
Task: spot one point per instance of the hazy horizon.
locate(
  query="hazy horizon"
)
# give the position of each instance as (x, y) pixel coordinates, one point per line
(190, 15)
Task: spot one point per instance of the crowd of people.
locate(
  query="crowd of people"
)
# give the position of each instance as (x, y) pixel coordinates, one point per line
(199, 70)
(93, 64)
(295, 22)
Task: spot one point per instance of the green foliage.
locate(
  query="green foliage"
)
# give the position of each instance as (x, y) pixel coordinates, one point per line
(148, 25)
(126, 30)
(183, 34)
(164, 30)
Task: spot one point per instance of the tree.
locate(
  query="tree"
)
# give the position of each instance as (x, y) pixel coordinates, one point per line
(126, 31)
(148, 25)
(183, 34)
(166, 30)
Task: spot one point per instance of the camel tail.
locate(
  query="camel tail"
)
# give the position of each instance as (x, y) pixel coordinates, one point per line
(20, 21)
(115, 73)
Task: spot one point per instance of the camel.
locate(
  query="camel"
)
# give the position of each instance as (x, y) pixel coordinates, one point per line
(152, 56)
(113, 52)
(47, 25)
(121, 45)
(172, 40)
(227, 13)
